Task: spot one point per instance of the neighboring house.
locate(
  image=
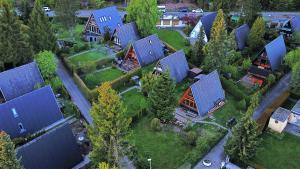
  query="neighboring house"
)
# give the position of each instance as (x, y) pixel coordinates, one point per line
(143, 52)
(101, 21)
(176, 64)
(269, 60)
(29, 113)
(290, 25)
(296, 113)
(279, 119)
(126, 35)
(241, 36)
(207, 23)
(19, 81)
(205, 95)
(170, 21)
(57, 149)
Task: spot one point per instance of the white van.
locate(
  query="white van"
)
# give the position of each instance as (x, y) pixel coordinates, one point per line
(162, 8)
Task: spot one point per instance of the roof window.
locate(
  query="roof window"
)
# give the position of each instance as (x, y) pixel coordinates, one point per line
(14, 112)
(150, 41)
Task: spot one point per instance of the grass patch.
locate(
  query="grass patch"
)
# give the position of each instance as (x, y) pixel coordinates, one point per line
(96, 78)
(279, 153)
(89, 56)
(166, 149)
(135, 101)
(172, 37)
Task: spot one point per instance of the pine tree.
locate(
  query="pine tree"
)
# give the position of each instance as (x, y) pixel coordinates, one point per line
(243, 143)
(109, 126)
(232, 54)
(40, 32)
(162, 98)
(197, 52)
(8, 157)
(26, 10)
(148, 81)
(216, 50)
(295, 84)
(256, 35)
(250, 9)
(14, 46)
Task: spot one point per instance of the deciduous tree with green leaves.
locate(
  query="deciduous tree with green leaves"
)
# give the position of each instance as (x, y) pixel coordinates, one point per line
(145, 14)
(256, 35)
(243, 143)
(104, 165)
(41, 35)
(47, 64)
(292, 58)
(162, 98)
(8, 155)
(15, 48)
(109, 126)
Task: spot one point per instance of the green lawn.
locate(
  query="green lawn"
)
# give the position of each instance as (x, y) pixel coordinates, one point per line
(64, 34)
(135, 101)
(88, 57)
(172, 37)
(95, 79)
(279, 153)
(166, 149)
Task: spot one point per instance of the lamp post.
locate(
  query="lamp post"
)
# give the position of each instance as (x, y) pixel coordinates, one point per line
(149, 159)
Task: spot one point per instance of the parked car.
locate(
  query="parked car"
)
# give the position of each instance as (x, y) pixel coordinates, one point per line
(199, 10)
(206, 163)
(46, 9)
(183, 9)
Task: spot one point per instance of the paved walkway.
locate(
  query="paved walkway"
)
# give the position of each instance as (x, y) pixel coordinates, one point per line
(131, 88)
(281, 87)
(215, 155)
(77, 97)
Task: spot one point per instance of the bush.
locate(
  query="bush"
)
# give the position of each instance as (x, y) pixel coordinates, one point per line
(121, 81)
(78, 47)
(70, 109)
(155, 124)
(120, 54)
(233, 89)
(191, 138)
(232, 70)
(188, 29)
(88, 67)
(246, 64)
(242, 105)
(85, 90)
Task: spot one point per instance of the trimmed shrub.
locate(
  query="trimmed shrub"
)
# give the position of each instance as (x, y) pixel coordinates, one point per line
(246, 64)
(232, 88)
(88, 67)
(232, 70)
(70, 109)
(242, 105)
(155, 124)
(191, 138)
(85, 90)
(123, 80)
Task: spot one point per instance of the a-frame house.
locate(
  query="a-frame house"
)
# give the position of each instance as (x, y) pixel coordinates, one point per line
(241, 35)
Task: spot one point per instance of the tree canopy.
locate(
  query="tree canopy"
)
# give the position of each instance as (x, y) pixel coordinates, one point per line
(8, 157)
(47, 64)
(256, 35)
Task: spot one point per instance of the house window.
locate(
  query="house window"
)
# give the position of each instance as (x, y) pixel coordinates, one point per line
(276, 121)
(21, 128)
(109, 18)
(14, 112)
(150, 41)
(101, 19)
(150, 52)
(104, 18)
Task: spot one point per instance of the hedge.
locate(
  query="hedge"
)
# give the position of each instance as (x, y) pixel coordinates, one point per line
(85, 90)
(233, 89)
(170, 47)
(119, 82)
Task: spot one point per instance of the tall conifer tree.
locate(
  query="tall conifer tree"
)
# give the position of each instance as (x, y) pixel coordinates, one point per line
(197, 52)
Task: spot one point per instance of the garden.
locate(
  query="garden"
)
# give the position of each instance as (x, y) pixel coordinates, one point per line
(173, 38)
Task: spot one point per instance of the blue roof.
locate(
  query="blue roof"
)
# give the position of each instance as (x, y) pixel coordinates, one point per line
(148, 50)
(207, 91)
(56, 149)
(241, 36)
(276, 51)
(107, 17)
(20, 80)
(295, 22)
(35, 110)
(207, 22)
(177, 64)
(127, 34)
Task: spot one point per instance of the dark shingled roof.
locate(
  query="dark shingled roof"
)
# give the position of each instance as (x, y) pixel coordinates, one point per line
(207, 92)
(177, 64)
(296, 108)
(276, 51)
(35, 110)
(20, 80)
(57, 149)
(295, 22)
(241, 36)
(257, 71)
(281, 114)
(207, 22)
(107, 17)
(127, 34)
(148, 50)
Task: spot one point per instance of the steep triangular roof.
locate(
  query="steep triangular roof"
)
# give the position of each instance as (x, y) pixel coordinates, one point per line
(207, 22)
(148, 50)
(241, 36)
(127, 34)
(207, 92)
(35, 110)
(57, 149)
(107, 17)
(177, 64)
(295, 22)
(276, 51)
(20, 80)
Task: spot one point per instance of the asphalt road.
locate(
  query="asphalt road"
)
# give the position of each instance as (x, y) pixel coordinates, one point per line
(272, 95)
(77, 97)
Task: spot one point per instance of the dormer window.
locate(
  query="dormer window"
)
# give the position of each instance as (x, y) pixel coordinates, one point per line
(109, 18)
(150, 52)
(101, 19)
(15, 113)
(150, 41)
(21, 128)
(104, 18)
